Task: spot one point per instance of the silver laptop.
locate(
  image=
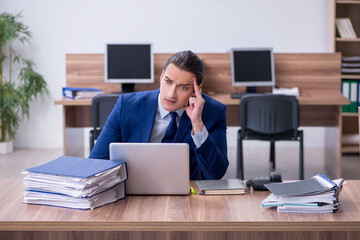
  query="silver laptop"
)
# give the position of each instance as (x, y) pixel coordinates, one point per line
(154, 168)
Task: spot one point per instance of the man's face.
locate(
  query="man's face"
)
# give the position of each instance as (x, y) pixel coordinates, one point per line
(176, 87)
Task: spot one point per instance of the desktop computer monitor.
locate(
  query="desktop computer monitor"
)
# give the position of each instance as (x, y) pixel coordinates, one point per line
(129, 64)
(252, 67)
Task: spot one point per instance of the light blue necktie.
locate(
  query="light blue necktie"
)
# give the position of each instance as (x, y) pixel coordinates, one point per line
(171, 129)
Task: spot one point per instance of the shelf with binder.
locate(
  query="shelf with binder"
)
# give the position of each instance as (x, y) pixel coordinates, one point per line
(347, 18)
(350, 89)
(350, 129)
(350, 137)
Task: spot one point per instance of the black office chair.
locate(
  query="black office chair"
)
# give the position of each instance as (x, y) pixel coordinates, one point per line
(101, 107)
(271, 118)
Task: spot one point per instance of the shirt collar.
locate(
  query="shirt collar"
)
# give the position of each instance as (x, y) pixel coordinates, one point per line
(164, 112)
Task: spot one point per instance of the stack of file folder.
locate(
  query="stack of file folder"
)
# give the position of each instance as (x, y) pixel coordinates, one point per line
(75, 182)
(318, 194)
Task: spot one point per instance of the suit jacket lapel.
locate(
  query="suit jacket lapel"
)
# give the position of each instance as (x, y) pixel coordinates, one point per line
(148, 111)
(184, 126)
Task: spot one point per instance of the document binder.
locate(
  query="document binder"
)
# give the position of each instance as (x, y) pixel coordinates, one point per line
(78, 93)
(75, 166)
(345, 89)
(309, 200)
(315, 195)
(76, 182)
(112, 194)
(308, 186)
(353, 96)
(308, 209)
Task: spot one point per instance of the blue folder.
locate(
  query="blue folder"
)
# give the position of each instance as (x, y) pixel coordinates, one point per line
(72, 92)
(75, 166)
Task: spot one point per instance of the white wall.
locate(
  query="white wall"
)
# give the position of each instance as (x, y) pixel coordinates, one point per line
(84, 26)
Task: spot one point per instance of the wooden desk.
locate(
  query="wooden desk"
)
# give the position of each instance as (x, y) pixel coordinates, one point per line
(318, 77)
(315, 110)
(77, 112)
(176, 217)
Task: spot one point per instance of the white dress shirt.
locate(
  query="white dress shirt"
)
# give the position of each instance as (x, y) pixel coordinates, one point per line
(162, 120)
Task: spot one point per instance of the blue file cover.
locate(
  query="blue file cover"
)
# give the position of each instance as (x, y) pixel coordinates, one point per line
(81, 89)
(75, 166)
(72, 92)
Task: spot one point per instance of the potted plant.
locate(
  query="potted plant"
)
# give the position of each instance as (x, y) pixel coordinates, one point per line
(15, 93)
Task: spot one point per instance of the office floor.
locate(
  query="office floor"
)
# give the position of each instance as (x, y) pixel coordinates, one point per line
(256, 162)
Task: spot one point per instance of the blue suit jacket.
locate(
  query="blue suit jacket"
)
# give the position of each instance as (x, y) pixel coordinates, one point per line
(132, 120)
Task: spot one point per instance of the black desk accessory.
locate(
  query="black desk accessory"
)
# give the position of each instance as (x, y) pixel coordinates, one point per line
(258, 183)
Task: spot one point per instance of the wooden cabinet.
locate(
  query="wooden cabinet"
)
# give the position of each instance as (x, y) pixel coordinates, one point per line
(350, 132)
(349, 47)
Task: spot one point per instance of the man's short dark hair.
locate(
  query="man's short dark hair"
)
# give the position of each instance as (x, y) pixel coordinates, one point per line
(189, 62)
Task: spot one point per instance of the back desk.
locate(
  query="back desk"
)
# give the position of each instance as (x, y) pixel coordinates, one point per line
(317, 76)
(176, 217)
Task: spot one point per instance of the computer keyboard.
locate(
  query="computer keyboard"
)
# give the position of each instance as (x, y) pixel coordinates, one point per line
(238, 95)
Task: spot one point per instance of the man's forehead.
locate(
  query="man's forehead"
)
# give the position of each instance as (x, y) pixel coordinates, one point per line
(180, 81)
(176, 74)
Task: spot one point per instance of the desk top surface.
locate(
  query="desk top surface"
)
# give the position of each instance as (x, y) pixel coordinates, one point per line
(306, 98)
(176, 213)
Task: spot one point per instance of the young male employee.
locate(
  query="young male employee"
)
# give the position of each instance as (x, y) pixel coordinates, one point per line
(177, 112)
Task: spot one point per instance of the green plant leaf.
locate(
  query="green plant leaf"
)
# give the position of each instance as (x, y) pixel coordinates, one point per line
(15, 96)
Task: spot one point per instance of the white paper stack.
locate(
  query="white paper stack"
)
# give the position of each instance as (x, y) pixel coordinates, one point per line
(75, 182)
(89, 202)
(287, 91)
(318, 194)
